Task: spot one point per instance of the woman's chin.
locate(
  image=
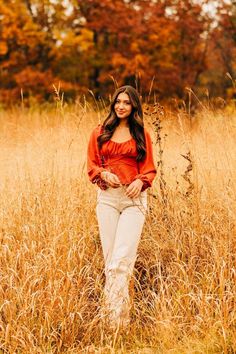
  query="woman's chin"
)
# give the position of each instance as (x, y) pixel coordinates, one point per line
(122, 116)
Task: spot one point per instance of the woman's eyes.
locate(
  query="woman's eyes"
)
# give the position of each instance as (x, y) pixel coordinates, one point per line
(128, 103)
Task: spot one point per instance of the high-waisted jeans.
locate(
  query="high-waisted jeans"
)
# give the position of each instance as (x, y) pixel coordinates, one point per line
(120, 221)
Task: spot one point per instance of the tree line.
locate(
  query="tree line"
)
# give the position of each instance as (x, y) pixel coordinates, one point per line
(161, 46)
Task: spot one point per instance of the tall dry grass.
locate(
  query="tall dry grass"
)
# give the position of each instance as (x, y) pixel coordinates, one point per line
(51, 260)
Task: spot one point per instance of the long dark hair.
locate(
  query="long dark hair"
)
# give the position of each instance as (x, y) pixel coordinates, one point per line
(135, 121)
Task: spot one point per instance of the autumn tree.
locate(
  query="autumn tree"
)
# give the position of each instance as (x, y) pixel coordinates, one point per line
(26, 42)
(147, 38)
(222, 59)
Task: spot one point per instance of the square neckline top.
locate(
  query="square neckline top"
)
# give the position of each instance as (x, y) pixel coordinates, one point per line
(122, 142)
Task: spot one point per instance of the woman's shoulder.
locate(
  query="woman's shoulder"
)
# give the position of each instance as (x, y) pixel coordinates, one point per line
(147, 133)
(97, 130)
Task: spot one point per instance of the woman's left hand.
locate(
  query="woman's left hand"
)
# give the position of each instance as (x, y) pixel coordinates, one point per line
(134, 189)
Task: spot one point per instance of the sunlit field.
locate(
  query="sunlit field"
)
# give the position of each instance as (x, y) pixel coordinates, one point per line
(184, 284)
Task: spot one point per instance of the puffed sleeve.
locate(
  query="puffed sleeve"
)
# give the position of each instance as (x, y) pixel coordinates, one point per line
(94, 166)
(147, 170)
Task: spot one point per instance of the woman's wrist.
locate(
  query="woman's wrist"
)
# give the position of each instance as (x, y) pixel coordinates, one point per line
(103, 174)
(138, 179)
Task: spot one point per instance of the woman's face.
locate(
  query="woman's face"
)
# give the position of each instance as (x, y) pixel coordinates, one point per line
(123, 106)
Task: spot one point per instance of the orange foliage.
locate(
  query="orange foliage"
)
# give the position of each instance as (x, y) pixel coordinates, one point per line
(85, 43)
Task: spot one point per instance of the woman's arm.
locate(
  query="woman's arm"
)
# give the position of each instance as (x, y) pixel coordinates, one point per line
(147, 169)
(96, 172)
(94, 166)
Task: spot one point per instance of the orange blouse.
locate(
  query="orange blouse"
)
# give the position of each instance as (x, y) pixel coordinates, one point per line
(120, 159)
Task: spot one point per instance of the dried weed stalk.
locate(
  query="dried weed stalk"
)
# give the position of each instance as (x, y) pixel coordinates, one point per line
(157, 114)
(59, 97)
(187, 174)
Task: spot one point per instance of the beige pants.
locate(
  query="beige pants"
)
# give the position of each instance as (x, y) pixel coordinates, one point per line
(120, 221)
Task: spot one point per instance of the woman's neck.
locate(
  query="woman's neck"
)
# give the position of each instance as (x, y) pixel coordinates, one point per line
(123, 123)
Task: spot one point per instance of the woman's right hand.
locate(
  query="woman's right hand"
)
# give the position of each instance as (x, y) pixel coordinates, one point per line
(111, 179)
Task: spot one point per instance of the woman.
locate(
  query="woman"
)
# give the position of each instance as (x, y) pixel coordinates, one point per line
(120, 161)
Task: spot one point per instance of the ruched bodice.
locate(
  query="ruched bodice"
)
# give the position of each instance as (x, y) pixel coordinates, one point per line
(120, 159)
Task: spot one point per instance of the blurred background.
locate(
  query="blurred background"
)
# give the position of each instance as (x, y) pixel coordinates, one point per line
(161, 47)
(59, 63)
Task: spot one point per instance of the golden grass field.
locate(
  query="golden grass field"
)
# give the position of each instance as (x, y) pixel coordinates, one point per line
(184, 284)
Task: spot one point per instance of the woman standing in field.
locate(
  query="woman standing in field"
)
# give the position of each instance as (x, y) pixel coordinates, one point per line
(120, 161)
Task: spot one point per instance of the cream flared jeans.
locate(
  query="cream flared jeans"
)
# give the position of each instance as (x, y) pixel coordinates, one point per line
(120, 221)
